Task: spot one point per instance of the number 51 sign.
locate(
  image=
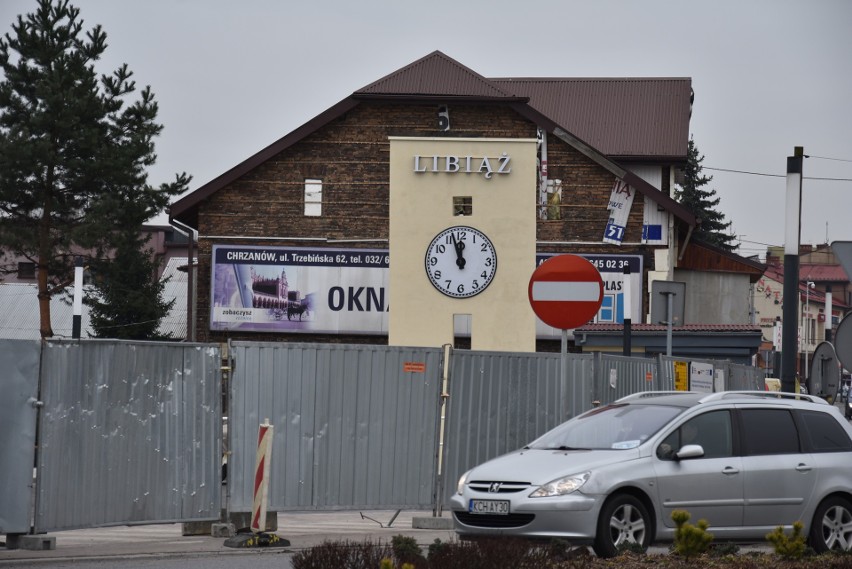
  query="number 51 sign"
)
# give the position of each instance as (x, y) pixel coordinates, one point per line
(620, 202)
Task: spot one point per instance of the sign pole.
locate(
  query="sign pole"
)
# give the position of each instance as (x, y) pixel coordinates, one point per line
(563, 359)
(792, 233)
(628, 310)
(565, 291)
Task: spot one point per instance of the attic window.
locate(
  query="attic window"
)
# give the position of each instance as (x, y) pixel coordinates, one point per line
(462, 205)
(313, 198)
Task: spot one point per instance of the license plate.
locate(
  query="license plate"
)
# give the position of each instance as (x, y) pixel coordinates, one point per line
(500, 507)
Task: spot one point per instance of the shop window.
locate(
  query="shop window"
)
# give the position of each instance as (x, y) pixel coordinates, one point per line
(26, 270)
(313, 197)
(462, 205)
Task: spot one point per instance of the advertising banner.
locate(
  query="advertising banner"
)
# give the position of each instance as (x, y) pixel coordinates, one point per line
(294, 289)
(620, 202)
(344, 291)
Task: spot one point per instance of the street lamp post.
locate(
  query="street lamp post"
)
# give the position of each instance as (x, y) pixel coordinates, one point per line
(807, 334)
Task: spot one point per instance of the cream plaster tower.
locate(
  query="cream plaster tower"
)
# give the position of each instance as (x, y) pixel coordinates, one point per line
(458, 206)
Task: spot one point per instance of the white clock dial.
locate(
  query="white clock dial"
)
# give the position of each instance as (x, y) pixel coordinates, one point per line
(461, 261)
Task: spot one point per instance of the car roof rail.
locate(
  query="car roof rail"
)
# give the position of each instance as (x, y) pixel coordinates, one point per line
(764, 395)
(646, 394)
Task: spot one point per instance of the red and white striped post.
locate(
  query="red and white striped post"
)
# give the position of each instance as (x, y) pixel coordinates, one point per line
(261, 477)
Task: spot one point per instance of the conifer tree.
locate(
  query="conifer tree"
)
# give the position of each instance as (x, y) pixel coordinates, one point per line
(74, 148)
(713, 228)
(126, 301)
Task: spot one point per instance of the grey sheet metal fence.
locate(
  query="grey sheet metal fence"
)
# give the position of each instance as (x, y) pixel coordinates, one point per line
(354, 425)
(19, 364)
(356, 428)
(130, 433)
(499, 402)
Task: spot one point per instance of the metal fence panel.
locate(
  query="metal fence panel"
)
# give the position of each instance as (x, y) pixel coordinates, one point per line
(19, 362)
(355, 425)
(619, 376)
(499, 402)
(130, 434)
(744, 378)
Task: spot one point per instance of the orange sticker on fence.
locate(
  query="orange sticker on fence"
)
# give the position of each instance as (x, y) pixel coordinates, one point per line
(414, 367)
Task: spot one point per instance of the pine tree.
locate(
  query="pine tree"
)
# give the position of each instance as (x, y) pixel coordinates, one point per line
(74, 149)
(713, 228)
(127, 300)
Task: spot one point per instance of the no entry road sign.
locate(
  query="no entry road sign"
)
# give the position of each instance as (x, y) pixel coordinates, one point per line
(566, 291)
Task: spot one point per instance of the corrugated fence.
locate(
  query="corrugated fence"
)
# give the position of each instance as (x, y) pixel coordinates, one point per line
(131, 432)
(358, 426)
(19, 365)
(355, 426)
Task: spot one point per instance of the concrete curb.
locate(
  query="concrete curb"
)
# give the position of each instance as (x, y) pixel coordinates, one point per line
(432, 523)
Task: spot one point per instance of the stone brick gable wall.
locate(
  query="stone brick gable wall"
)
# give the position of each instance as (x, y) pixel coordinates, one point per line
(351, 157)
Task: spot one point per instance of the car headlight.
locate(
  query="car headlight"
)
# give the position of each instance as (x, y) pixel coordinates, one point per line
(562, 486)
(462, 480)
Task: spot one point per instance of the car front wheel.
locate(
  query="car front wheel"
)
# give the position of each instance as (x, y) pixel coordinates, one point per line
(623, 519)
(832, 526)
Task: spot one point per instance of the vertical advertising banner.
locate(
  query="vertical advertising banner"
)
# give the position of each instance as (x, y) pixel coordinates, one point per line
(620, 202)
(681, 376)
(292, 289)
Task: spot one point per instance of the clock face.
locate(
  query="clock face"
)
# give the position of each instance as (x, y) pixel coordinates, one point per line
(461, 261)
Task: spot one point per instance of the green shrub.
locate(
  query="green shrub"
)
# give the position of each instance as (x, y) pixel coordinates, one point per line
(788, 547)
(407, 552)
(690, 540)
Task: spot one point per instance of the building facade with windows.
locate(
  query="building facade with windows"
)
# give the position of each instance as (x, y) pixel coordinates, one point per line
(414, 211)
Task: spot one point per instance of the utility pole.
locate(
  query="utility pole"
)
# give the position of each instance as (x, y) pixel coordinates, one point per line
(806, 324)
(827, 311)
(792, 235)
(628, 310)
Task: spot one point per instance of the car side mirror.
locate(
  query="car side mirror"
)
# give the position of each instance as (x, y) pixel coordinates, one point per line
(690, 451)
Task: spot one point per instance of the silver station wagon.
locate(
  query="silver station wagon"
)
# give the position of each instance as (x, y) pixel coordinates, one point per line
(747, 462)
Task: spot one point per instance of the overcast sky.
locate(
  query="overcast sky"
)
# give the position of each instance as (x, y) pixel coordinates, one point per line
(231, 77)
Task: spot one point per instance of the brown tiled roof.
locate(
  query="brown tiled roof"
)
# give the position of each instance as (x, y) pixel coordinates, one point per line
(434, 75)
(437, 77)
(822, 273)
(624, 118)
(700, 256)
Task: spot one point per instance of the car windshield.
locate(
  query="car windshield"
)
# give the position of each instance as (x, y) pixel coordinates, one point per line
(617, 426)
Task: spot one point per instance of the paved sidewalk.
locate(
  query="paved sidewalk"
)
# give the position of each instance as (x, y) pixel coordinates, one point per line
(302, 529)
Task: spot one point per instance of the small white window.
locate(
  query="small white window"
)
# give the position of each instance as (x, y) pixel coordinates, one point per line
(313, 197)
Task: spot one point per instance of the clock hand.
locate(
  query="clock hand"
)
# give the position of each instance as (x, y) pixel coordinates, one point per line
(459, 246)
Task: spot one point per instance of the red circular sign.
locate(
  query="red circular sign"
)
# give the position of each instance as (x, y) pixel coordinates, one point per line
(566, 291)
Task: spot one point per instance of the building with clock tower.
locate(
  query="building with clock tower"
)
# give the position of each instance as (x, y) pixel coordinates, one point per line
(414, 211)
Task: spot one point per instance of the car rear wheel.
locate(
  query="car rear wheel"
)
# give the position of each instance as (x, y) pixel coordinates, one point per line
(623, 519)
(832, 526)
